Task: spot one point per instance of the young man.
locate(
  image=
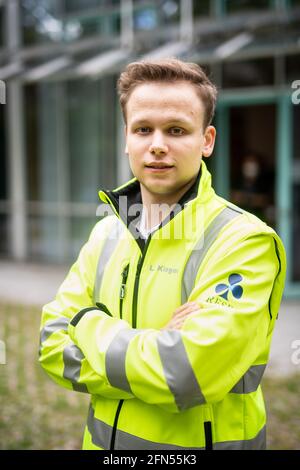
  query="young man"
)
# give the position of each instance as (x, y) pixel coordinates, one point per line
(166, 319)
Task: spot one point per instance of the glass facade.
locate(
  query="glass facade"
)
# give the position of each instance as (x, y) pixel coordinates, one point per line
(296, 195)
(1, 26)
(71, 142)
(54, 21)
(91, 108)
(4, 219)
(71, 154)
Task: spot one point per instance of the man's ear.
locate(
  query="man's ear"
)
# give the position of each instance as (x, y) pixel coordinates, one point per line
(209, 141)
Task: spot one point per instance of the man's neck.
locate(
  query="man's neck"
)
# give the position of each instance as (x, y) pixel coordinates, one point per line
(158, 206)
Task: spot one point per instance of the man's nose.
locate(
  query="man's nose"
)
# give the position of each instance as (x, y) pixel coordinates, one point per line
(158, 146)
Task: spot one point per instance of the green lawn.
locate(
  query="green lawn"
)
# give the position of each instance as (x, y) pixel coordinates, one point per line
(35, 412)
(38, 414)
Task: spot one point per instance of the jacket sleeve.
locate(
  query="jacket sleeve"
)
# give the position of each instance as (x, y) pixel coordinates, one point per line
(60, 357)
(202, 362)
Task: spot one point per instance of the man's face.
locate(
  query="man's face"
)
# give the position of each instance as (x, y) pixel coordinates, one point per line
(165, 140)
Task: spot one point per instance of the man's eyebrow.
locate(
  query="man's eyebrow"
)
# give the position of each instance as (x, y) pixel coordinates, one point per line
(170, 119)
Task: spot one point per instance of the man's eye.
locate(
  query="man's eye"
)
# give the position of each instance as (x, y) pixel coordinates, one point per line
(176, 131)
(143, 130)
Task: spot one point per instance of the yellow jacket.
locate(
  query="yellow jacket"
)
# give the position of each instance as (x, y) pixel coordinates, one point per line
(194, 388)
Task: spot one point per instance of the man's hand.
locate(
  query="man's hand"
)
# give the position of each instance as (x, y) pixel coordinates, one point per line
(180, 314)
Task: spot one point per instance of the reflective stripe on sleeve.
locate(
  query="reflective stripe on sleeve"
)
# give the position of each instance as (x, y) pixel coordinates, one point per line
(115, 359)
(60, 323)
(178, 371)
(72, 357)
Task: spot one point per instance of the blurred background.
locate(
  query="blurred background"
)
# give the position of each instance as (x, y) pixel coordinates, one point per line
(61, 140)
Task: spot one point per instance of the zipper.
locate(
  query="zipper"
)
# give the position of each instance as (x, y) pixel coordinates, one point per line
(208, 435)
(134, 315)
(122, 293)
(114, 432)
(123, 288)
(137, 281)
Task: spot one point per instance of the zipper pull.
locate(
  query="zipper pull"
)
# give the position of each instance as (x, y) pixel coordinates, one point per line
(124, 279)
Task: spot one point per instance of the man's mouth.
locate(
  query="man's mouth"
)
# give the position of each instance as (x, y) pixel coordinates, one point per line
(158, 166)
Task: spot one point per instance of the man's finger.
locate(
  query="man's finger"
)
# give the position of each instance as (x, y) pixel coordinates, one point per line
(183, 313)
(185, 307)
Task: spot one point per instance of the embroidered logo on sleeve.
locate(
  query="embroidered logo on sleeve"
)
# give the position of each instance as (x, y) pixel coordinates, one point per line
(233, 286)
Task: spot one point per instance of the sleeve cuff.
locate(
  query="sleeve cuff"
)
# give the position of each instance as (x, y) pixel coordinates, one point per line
(79, 315)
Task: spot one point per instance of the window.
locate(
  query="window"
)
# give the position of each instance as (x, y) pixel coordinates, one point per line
(233, 6)
(151, 15)
(292, 68)
(42, 145)
(91, 137)
(72, 6)
(71, 154)
(258, 72)
(1, 26)
(41, 21)
(79, 5)
(4, 219)
(53, 21)
(295, 172)
(202, 8)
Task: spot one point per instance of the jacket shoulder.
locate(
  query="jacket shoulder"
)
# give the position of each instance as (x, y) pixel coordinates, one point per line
(103, 228)
(248, 224)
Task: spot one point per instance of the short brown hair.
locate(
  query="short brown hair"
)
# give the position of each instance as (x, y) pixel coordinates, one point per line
(168, 70)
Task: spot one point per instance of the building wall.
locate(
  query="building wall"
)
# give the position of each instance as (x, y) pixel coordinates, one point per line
(67, 141)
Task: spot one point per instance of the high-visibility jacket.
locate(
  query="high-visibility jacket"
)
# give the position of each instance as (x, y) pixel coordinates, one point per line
(154, 388)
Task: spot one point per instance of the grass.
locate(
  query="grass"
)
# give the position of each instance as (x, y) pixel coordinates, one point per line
(283, 412)
(38, 414)
(35, 412)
